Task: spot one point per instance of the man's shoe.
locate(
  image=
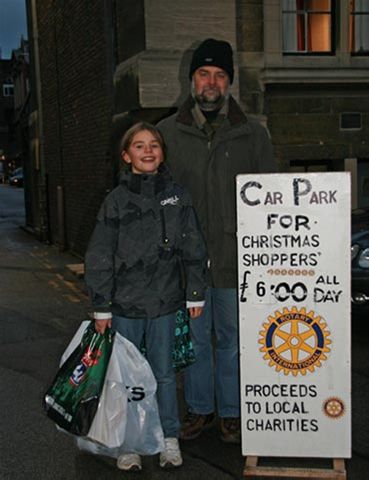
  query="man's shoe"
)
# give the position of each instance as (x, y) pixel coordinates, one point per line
(194, 424)
(129, 461)
(171, 456)
(230, 429)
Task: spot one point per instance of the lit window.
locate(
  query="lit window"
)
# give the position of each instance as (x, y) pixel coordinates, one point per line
(359, 26)
(307, 26)
(8, 90)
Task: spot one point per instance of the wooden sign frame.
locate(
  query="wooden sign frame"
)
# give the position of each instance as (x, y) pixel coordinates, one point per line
(253, 470)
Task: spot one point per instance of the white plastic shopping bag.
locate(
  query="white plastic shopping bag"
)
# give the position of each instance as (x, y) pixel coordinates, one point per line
(127, 418)
(109, 424)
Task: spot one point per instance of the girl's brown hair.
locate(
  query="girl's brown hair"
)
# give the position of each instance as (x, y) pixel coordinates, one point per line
(127, 138)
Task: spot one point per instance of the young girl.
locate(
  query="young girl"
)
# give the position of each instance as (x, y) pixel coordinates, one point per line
(145, 259)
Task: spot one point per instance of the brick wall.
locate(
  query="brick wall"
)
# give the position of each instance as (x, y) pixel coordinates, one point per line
(75, 44)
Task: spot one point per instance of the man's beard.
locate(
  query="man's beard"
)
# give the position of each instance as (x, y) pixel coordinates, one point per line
(209, 104)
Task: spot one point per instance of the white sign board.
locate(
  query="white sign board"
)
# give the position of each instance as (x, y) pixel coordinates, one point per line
(294, 303)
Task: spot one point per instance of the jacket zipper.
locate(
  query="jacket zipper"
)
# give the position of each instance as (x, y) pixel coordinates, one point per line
(163, 228)
(210, 138)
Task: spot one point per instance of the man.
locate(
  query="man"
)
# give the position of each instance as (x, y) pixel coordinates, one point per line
(209, 141)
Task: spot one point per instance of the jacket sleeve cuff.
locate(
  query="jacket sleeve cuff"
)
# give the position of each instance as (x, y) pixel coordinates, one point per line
(102, 315)
(199, 303)
(195, 295)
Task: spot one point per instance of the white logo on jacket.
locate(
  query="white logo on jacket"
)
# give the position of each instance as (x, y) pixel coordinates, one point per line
(170, 201)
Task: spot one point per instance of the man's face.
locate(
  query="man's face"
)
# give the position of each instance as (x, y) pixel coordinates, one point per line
(210, 85)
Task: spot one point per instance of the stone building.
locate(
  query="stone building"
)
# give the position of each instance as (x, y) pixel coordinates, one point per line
(301, 68)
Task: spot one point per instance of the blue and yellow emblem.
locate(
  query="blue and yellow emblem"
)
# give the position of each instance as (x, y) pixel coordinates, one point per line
(295, 341)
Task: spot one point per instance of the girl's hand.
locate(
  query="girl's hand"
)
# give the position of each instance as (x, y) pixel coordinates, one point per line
(195, 312)
(101, 325)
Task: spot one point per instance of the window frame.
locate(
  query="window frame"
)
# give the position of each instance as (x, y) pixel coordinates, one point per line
(340, 67)
(306, 12)
(6, 87)
(352, 15)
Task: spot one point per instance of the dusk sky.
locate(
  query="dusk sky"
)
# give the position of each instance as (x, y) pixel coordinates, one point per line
(13, 24)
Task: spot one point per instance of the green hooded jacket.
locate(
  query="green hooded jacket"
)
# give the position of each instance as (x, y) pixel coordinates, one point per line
(207, 166)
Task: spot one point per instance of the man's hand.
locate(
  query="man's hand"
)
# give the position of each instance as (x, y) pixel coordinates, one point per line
(101, 325)
(195, 311)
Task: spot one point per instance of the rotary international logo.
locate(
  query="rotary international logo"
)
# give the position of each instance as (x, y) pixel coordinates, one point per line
(334, 407)
(295, 341)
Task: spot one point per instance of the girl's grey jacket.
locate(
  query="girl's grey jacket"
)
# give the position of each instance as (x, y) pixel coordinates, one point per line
(146, 256)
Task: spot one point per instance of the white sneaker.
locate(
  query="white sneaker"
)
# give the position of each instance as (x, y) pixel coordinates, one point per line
(129, 461)
(171, 456)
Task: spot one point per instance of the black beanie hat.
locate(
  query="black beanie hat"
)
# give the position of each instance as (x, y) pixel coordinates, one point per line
(214, 53)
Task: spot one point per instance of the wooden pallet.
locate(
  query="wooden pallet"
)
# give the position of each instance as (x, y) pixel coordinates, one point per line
(338, 472)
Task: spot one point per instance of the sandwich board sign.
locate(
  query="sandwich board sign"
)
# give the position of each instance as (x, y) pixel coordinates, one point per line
(294, 313)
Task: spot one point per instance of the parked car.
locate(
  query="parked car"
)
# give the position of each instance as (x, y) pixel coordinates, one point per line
(16, 178)
(360, 260)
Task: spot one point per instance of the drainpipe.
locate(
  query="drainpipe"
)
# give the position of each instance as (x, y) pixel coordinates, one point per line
(41, 185)
(60, 190)
(61, 217)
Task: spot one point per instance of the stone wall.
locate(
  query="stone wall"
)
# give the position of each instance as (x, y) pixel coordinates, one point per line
(157, 77)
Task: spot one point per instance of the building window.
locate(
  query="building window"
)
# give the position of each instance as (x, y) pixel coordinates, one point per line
(8, 90)
(307, 27)
(359, 27)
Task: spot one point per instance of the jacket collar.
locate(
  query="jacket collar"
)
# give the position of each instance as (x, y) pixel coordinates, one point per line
(143, 184)
(235, 114)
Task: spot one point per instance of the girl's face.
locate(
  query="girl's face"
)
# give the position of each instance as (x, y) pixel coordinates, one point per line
(144, 154)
